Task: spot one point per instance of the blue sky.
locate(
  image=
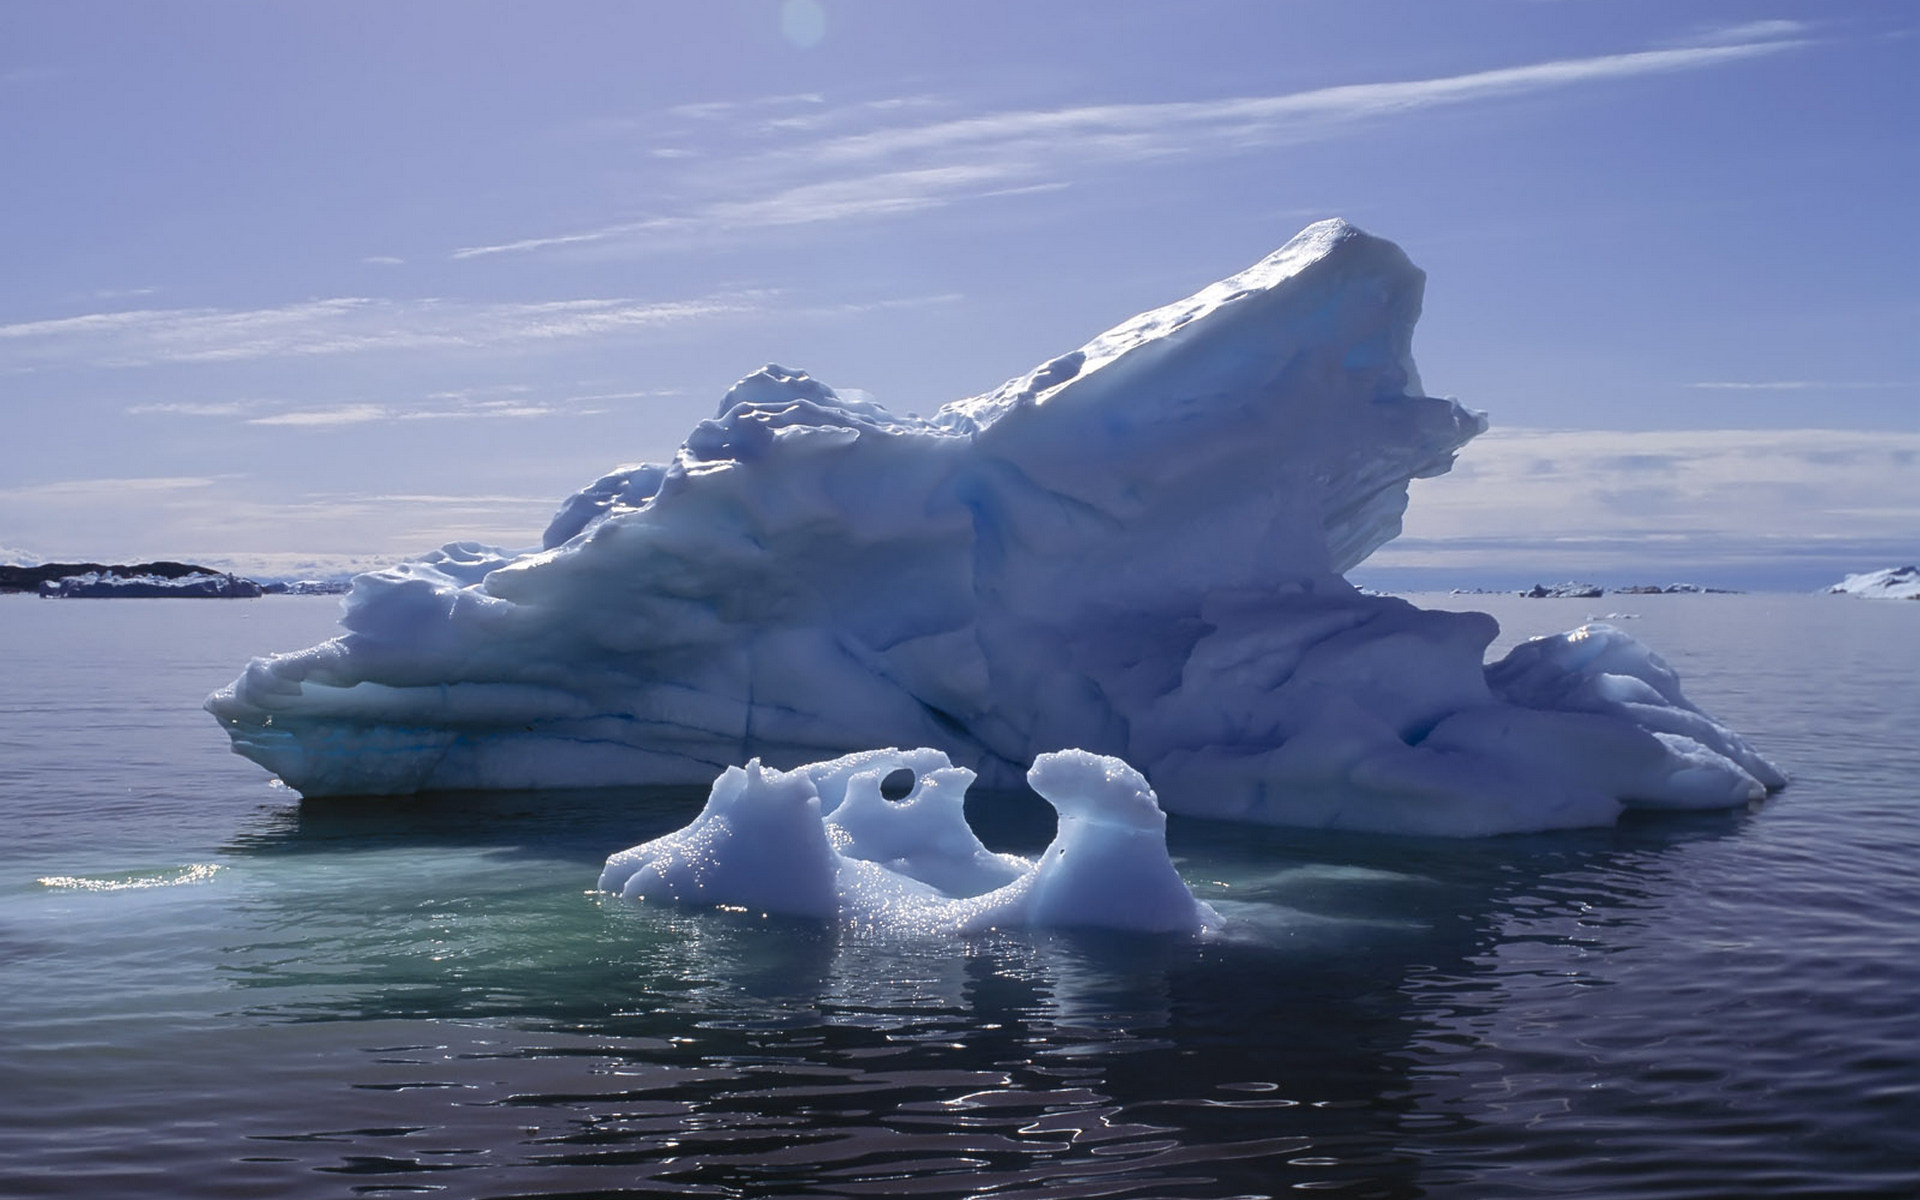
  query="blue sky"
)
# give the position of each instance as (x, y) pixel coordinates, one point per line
(292, 286)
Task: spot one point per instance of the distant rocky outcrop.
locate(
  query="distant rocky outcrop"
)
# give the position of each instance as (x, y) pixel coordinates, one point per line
(112, 584)
(164, 578)
(1673, 589)
(28, 579)
(1590, 591)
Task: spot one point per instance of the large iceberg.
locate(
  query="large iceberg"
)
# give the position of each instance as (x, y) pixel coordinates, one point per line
(1135, 549)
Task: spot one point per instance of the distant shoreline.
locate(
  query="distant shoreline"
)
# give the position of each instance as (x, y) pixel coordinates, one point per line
(162, 579)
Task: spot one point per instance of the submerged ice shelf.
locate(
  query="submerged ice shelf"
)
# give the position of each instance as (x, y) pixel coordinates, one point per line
(1135, 549)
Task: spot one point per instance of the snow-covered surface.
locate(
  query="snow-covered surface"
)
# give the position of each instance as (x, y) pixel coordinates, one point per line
(824, 841)
(1136, 548)
(1894, 583)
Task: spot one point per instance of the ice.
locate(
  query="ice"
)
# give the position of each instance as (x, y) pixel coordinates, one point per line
(1894, 583)
(1565, 591)
(1135, 549)
(824, 841)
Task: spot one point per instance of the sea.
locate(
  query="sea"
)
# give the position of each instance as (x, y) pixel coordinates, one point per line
(211, 989)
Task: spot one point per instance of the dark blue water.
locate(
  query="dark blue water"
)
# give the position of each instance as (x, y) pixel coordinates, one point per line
(211, 990)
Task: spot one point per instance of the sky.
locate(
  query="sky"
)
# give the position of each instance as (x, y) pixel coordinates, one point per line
(301, 287)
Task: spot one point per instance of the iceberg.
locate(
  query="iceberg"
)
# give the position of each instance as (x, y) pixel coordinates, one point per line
(1893, 583)
(825, 841)
(1136, 549)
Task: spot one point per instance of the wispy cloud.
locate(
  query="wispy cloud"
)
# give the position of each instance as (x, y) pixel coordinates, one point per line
(361, 414)
(1801, 385)
(456, 499)
(251, 522)
(1179, 128)
(1805, 483)
(884, 194)
(481, 412)
(1748, 31)
(502, 402)
(605, 397)
(1613, 503)
(321, 418)
(341, 326)
(846, 114)
(728, 109)
(109, 488)
(895, 168)
(225, 408)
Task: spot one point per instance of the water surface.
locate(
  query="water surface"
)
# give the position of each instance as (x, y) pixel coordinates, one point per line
(212, 990)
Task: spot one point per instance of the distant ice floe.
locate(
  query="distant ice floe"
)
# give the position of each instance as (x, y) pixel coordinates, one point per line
(1894, 583)
(824, 841)
(1136, 549)
(1565, 591)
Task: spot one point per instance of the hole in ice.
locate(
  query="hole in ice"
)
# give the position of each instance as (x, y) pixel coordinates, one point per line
(898, 785)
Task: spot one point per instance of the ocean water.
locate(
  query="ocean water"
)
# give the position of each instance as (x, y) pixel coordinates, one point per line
(208, 989)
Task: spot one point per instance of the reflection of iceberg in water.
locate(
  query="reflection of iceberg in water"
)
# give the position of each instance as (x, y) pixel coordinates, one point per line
(1135, 549)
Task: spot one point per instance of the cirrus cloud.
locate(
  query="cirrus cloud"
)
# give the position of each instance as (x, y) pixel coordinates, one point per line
(899, 168)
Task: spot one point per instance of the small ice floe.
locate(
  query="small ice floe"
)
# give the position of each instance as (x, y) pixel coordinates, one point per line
(825, 841)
